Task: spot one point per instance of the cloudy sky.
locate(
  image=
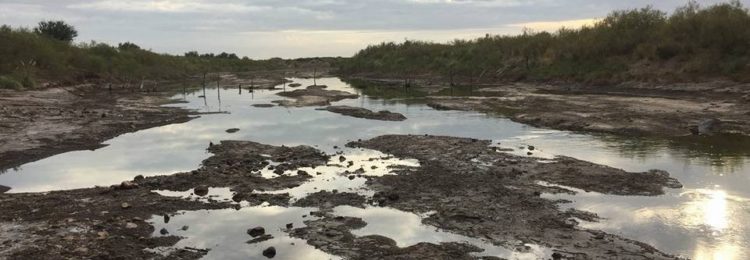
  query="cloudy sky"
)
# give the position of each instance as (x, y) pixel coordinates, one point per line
(304, 28)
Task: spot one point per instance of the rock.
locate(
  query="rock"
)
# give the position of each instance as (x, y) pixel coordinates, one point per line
(256, 231)
(557, 256)
(342, 158)
(295, 85)
(264, 105)
(164, 231)
(269, 252)
(303, 173)
(128, 185)
(289, 225)
(351, 177)
(4, 189)
(138, 178)
(125, 205)
(531, 148)
(237, 197)
(131, 225)
(201, 190)
(184, 228)
(166, 218)
(233, 130)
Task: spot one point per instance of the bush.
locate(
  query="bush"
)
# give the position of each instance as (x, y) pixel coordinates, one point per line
(57, 30)
(9, 83)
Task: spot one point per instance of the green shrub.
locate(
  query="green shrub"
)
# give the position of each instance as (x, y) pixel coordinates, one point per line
(9, 83)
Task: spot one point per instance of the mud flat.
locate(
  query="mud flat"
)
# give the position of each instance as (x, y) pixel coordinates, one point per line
(359, 112)
(313, 96)
(629, 109)
(40, 123)
(463, 186)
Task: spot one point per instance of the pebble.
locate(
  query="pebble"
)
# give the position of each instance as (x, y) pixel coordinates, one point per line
(269, 252)
(201, 190)
(164, 231)
(131, 225)
(125, 205)
(256, 231)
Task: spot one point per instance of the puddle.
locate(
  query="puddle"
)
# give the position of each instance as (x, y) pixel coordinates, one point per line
(344, 172)
(407, 230)
(224, 232)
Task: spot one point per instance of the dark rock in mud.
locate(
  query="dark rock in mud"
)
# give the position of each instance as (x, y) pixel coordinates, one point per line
(256, 231)
(359, 112)
(263, 105)
(295, 85)
(201, 190)
(317, 87)
(4, 189)
(232, 130)
(127, 185)
(269, 252)
(164, 231)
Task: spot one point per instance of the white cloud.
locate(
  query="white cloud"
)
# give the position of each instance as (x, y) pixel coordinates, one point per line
(168, 6)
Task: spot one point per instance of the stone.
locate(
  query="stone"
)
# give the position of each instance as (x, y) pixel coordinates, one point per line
(184, 228)
(131, 225)
(269, 252)
(125, 205)
(233, 130)
(531, 148)
(128, 185)
(139, 178)
(166, 218)
(4, 189)
(256, 231)
(164, 231)
(351, 177)
(201, 190)
(289, 225)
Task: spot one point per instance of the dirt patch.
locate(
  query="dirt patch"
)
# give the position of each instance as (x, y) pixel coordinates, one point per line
(313, 96)
(359, 112)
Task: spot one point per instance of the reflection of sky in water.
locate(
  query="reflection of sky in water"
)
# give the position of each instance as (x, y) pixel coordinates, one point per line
(225, 232)
(407, 230)
(181, 147)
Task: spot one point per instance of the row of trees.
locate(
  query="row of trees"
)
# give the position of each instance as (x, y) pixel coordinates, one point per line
(47, 53)
(692, 43)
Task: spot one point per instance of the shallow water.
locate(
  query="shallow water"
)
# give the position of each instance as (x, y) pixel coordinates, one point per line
(704, 220)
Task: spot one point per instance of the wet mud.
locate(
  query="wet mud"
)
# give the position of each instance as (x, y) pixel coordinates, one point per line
(463, 186)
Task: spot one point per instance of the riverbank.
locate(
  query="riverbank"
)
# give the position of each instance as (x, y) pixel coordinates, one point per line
(628, 109)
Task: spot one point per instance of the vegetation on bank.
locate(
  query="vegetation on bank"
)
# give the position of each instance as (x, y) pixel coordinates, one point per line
(692, 43)
(47, 54)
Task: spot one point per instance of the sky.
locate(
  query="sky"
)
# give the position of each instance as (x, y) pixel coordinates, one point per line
(263, 29)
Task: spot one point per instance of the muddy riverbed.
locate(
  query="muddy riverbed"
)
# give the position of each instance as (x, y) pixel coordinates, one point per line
(328, 186)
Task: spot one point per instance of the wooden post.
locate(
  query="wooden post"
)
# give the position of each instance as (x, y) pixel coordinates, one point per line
(239, 88)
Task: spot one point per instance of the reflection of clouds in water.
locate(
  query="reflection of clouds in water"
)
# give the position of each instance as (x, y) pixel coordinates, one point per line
(335, 174)
(224, 232)
(407, 229)
(697, 223)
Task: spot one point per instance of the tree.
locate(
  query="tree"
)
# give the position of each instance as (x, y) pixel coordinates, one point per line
(128, 46)
(57, 30)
